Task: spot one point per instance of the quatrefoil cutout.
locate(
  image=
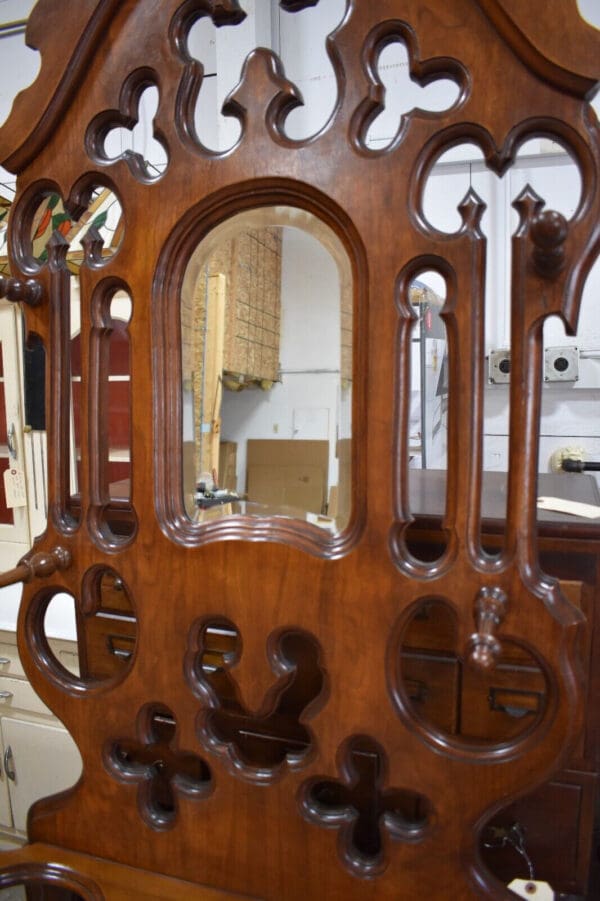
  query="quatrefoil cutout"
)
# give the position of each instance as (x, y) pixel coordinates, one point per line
(402, 85)
(129, 133)
(161, 771)
(360, 806)
(256, 744)
(88, 228)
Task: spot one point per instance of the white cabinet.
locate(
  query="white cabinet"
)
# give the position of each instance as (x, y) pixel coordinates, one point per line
(38, 760)
(38, 757)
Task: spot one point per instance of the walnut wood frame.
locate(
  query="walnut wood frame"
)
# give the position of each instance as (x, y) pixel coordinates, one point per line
(522, 70)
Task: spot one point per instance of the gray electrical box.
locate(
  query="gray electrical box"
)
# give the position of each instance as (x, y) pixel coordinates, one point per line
(561, 364)
(499, 366)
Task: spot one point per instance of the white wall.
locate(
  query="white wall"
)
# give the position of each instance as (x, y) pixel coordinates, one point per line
(306, 403)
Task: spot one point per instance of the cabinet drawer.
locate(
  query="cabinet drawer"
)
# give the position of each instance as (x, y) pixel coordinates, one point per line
(17, 694)
(431, 682)
(557, 824)
(497, 705)
(113, 595)
(10, 663)
(109, 645)
(432, 628)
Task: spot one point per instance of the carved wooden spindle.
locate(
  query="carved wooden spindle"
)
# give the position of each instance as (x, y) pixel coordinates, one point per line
(29, 291)
(37, 566)
(490, 609)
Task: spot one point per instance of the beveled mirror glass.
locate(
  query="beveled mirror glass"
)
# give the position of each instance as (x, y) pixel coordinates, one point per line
(266, 331)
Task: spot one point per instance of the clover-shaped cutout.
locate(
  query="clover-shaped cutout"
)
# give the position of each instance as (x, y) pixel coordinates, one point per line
(401, 85)
(359, 805)
(161, 771)
(129, 133)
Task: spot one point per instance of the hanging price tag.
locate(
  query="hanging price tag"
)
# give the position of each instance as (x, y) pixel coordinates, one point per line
(15, 488)
(532, 888)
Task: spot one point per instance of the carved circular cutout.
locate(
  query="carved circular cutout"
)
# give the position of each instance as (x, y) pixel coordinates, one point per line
(102, 625)
(455, 701)
(59, 880)
(86, 228)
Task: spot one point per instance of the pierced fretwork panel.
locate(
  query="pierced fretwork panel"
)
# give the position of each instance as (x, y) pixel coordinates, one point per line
(258, 742)
(271, 661)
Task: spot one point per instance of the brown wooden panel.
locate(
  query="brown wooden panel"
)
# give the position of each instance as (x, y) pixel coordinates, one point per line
(557, 822)
(320, 616)
(502, 703)
(432, 685)
(108, 645)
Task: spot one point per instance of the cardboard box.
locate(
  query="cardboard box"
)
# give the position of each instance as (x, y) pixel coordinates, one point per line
(228, 465)
(288, 474)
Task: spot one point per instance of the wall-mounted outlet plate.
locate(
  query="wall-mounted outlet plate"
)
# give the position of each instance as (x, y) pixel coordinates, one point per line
(561, 364)
(499, 366)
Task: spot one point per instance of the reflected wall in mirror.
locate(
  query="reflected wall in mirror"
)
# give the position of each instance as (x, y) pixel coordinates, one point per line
(266, 331)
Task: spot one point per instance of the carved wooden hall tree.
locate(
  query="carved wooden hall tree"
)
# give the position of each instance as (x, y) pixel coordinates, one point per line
(261, 739)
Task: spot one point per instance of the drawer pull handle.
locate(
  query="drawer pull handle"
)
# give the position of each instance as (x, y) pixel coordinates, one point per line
(515, 702)
(4, 661)
(9, 765)
(116, 651)
(5, 695)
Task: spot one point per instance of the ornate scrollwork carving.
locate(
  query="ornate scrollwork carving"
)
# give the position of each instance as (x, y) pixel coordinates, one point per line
(256, 743)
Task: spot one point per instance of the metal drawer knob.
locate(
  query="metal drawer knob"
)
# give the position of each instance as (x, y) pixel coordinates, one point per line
(6, 694)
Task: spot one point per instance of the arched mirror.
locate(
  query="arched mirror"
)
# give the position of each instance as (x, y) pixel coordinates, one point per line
(266, 332)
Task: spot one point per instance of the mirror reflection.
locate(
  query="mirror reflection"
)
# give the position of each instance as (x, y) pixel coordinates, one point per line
(266, 330)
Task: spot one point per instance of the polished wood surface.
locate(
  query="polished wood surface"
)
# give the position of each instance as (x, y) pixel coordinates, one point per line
(361, 798)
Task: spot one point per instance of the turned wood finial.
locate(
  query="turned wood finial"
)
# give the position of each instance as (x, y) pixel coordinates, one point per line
(46, 563)
(35, 566)
(29, 291)
(484, 648)
(549, 231)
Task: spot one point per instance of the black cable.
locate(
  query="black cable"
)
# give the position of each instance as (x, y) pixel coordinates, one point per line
(569, 465)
